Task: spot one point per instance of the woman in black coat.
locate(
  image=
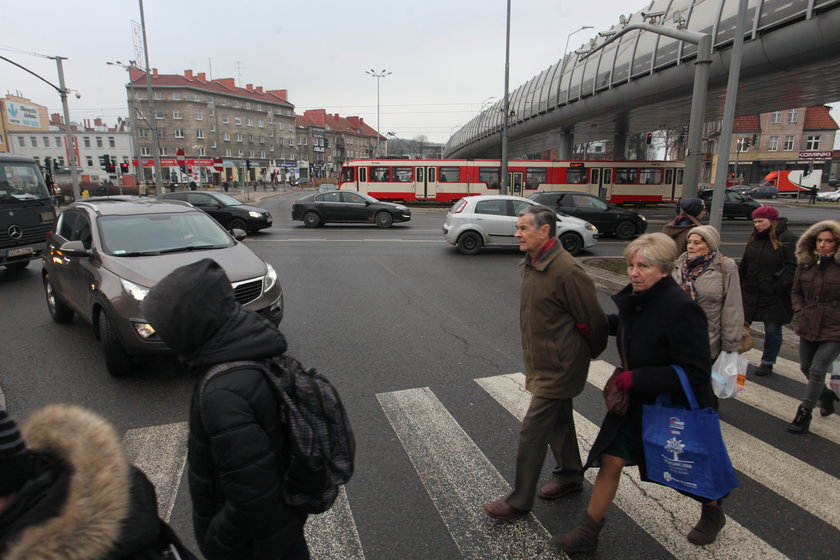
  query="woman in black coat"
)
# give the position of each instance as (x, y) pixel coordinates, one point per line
(766, 272)
(657, 325)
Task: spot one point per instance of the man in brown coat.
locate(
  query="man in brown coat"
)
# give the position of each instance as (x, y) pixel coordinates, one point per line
(563, 327)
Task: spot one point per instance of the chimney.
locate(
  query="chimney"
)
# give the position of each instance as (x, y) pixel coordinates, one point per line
(55, 118)
(97, 121)
(202, 77)
(249, 87)
(154, 73)
(188, 74)
(226, 82)
(281, 93)
(259, 89)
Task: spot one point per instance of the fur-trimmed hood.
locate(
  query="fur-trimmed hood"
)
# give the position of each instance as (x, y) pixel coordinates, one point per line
(807, 245)
(98, 498)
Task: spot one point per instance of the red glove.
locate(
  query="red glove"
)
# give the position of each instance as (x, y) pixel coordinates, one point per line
(583, 329)
(624, 381)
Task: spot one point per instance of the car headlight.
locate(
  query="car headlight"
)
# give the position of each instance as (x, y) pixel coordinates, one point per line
(270, 278)
(134, 291)
(589, 226)
(642, 218)
(401, 208)
(254, 214)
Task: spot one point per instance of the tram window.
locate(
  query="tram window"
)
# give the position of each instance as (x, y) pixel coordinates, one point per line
(363, 174)
(626, 176)
(575, 176)
(380, 174)
(450, 174)
(347, 174)
(534, 177)
(402, 174)
(431, 174)
(669, 176)
(489, 175)
(679, 176)
(596, 173)
(650, 176)
(420, 174)
(607, 176)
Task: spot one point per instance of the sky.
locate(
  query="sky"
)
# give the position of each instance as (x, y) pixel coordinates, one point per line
(446, 58)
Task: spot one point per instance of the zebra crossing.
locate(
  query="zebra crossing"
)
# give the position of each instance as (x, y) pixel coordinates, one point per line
(459, 478)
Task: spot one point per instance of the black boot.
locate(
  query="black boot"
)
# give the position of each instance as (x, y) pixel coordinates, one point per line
(583, 538)
(827, 399)
(712, 520)
(764, 369)
(801, 421)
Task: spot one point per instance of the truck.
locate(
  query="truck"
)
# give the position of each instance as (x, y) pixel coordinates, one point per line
(27, 212)
(793, 181)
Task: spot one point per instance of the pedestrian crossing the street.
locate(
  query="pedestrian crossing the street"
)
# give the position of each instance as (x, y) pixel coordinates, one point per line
(459, 478)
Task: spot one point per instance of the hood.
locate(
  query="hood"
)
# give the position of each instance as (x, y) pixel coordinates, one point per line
(248, 208)
(807, 245)
(98, 498)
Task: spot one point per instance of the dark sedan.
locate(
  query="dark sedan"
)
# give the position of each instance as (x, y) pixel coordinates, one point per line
(735, 204)
(764, 192)
(608, 218)
(343, 206)
(225, 209)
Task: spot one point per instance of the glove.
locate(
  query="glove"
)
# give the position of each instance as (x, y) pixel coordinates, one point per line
(583, 329)
(624, 381)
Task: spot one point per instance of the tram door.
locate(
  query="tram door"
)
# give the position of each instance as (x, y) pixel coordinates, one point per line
(604, 183)
(515, 182)
(425, 182)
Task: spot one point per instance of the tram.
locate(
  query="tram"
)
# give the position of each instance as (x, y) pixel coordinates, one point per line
(447, 180)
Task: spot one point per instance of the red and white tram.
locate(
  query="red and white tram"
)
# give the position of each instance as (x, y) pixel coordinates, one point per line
(447, 180)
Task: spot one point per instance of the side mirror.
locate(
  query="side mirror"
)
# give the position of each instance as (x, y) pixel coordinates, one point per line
(238, 234)
(74, 249)
(367, 202)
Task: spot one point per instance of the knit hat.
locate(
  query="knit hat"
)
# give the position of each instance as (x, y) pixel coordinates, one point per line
(765, 212)
(709, 234)
(692, 206)
(16, 461)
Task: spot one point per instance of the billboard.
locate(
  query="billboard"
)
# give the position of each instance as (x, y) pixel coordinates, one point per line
(19, 114)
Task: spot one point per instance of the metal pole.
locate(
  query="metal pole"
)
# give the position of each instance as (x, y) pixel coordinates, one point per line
(158, 172)
(691, 179)
(68, 131)
(505, 110)
(725, 140)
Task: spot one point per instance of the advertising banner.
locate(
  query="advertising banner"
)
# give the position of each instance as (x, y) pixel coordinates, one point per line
(19, 114)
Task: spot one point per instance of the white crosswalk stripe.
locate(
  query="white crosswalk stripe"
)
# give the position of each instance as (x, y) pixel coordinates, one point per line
(332, 535)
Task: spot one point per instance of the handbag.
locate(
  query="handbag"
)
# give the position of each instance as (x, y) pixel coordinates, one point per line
(746, 337)
(684, 448)
(616, 400)
(728, 374)
(834, 382)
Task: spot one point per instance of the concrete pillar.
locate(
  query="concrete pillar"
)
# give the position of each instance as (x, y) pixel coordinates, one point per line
(565, 144)
(619, 145)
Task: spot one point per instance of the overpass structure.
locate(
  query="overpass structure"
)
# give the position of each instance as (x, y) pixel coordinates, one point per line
(643, 81)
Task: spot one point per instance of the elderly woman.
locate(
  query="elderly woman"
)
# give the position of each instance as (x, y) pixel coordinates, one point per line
(816, 297)
(711, 280)
(657, 325)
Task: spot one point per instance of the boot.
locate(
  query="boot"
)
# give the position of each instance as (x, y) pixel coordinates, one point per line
(712, 520)
(583, 538)
(827, 398)
(763, 370)
(801, 421)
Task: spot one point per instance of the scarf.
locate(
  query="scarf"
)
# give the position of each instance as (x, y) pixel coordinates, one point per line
(690, 269)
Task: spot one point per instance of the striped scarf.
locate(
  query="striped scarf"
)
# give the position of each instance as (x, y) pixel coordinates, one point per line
(690, 269)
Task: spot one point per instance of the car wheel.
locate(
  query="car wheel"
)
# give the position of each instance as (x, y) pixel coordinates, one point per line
(572, 242)
(384, 220)
(59, 312)
(625, 229)
(117, 360)
(469, 243)
(18, 265)
(311, 219)
(237, 223)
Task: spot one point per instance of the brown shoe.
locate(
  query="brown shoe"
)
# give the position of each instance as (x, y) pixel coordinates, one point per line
(553, 490)
(501, 510)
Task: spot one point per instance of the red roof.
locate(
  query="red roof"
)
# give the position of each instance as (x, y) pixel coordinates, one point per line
(223, 85)
(750, 123)
(818, 118)
(335, 123)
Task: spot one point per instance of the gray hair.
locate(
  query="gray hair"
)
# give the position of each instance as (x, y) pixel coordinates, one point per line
(658, 249)
(541, 216)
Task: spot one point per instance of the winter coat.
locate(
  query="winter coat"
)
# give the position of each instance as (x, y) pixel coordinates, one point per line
(719, 296)
(557, 294)
(86, 502)
(654, 329)
(678, 230)
(767, 277)
(816, 287)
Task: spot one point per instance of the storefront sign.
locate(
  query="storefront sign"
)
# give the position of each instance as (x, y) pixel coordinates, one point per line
(814, 155)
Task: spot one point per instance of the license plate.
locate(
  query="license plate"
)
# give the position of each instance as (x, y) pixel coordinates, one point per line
(18, 251)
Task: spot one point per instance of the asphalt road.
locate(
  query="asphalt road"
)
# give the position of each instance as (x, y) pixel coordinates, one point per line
(397, 318)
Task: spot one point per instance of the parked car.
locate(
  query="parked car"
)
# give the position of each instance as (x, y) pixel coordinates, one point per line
(481, 221)
(764, 192)
(225, 209)
(608, 218)
(327, 187)
(829, 196)
(735, 204)
(347, 207)
(106, 254)
(739, 188)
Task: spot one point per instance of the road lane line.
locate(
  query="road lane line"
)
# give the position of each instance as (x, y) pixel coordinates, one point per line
(785, 368)
(460, 479)
(333, 535)
(663, 513)
(161, 453)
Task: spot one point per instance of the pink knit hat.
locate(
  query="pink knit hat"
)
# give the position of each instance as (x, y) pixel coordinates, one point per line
(765, 212)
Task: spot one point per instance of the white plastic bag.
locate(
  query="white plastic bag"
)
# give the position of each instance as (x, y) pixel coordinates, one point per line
(835, 379)
(728, 374)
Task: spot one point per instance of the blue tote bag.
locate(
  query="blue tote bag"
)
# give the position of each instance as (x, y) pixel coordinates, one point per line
(684, 448)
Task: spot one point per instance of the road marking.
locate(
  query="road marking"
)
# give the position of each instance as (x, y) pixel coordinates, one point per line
(660, 511)
(785, 368)
(333, 535)
(161, 453)
(460, 479)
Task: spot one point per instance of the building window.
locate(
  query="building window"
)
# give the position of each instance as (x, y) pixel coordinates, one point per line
(250, 138)
(178, 115)
(160, 115)
(227, 137)
(199, 116)
(237, 121)
(813, 143)
(240, 153)
(262, 139)
(211, 112)
(291, 127)
(228, 153)
(86, 141)
(776, 117)
(144, 151)
(247, 105)
(212, 128)
(98, 141)
(179, 133)
(112, 142)
(162, 151)
(176, 95)
(773, 144)
(89, 161)
(58, 141)
(199, 134)
(22, 141)
(34, 141)
(213, 144)
(225, 119)
(261, 123)
(239, 137)
(158, 95)
(143, 132)
(291, 141)
(262, 154)
(46, 140)
(201, 151)
(271, 147)
(788, 143)
(271, 134)
(161, 133)
(250, 122)
(793, 116)
(1, 140)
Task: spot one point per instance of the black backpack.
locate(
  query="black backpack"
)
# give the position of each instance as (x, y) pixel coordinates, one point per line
(319, 433)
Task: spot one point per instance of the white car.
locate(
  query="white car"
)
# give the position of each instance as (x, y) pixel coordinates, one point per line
(831, 196)
(490, 221)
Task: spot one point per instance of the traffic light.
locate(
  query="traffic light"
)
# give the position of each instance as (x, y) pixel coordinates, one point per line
(247, 164)
(123, 168)
(48, 163)
(112, 165)
(103, 162)
(649, 138)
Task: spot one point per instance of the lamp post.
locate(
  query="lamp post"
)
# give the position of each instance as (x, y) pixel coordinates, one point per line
(377, 75)
(132, 123)
(158, 171)
(569, 36)
(505, 110)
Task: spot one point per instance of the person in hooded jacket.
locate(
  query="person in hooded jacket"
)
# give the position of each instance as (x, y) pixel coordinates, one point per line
(690, 212)
(816, 298)
(237, 442)
(766, 271)
(67, 491)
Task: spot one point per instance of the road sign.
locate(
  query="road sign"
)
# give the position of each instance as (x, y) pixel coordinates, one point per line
(180, 156)
(218, 164)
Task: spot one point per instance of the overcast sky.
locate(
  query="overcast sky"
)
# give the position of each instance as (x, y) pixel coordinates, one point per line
(446, 57)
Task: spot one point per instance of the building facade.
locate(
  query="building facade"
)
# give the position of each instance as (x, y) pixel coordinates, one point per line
(326, 140)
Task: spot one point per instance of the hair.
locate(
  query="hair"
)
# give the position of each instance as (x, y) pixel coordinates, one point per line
(774, 240)
(541, 216)
(656, 248)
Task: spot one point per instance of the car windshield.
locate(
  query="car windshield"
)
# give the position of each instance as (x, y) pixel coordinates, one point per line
(226, 200)
(21, 181)
(153, 234)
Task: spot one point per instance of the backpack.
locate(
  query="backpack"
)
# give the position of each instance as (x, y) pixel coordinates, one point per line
(318, 430)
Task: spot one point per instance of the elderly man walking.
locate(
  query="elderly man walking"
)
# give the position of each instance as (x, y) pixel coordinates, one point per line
(563, 328)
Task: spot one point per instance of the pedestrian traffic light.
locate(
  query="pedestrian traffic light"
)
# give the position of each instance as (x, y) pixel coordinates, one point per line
(189, 170)
(123, 168)
(649, 138)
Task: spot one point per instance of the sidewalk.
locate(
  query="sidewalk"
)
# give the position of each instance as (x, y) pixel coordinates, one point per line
(253, 197)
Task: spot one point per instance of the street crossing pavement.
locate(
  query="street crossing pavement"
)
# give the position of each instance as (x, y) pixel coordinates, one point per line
(459, 478)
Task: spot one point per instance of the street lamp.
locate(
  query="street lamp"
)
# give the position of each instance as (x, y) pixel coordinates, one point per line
(377, 75)
(132, 123)
(569, 36)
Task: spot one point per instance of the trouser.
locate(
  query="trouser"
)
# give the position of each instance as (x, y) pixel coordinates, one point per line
(548, 422)
(815, 360)
(772, 343)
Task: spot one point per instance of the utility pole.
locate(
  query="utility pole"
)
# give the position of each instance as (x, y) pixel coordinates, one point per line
(68, 130)
(158, 172)
(503, 173)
